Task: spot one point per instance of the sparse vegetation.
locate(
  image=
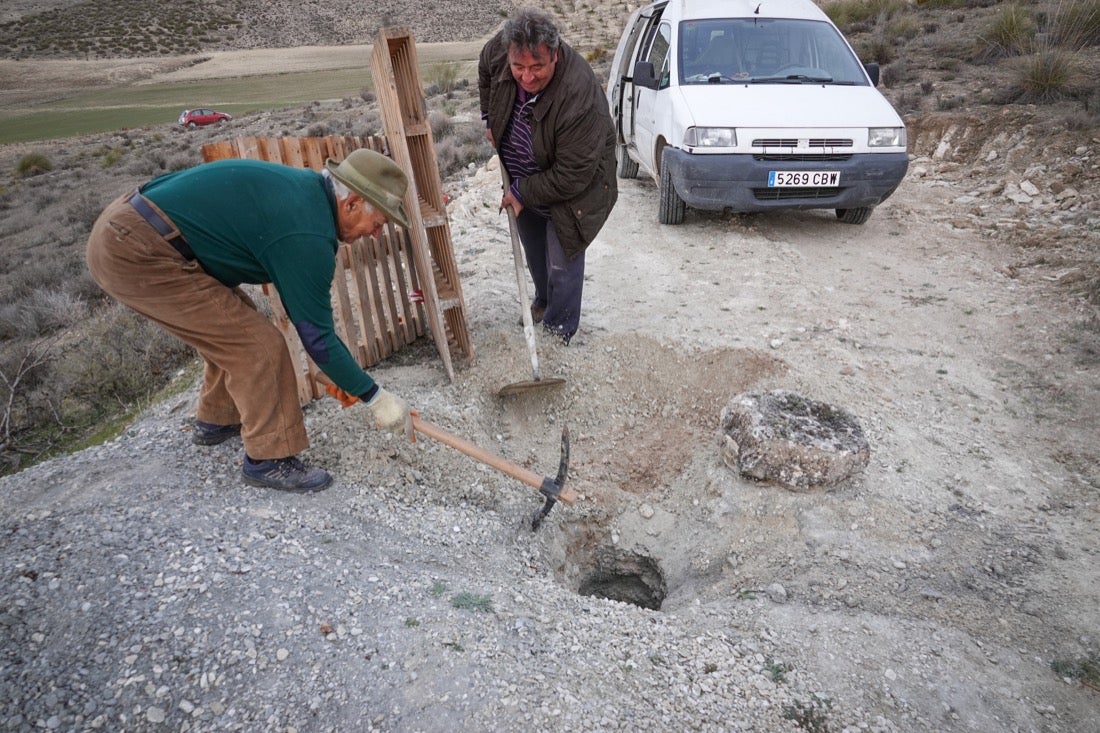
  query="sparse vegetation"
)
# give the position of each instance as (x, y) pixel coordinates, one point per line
(1047, 75)
(472, 602)
(33, 164)
(1085, 670)
(1011, 33)
(810, 715)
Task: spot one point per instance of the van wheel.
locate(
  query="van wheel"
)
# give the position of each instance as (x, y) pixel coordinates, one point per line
(628, 167)
(855, 216)
(671, 207)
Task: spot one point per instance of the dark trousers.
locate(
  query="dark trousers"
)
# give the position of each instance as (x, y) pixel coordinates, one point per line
(558, 280)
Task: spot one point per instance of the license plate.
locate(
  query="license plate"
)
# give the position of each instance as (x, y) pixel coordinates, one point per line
(784, 179)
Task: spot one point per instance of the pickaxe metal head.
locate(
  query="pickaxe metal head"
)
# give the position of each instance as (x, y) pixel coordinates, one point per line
(552, 489)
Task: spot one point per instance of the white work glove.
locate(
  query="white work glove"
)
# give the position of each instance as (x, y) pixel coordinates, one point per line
(391, 413)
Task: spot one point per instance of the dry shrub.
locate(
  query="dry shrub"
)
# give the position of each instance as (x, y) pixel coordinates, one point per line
(467, 144)
(1050, 74)
(33, 164)
(1011, 33)
(47, 311)
(847, 13)
(440, 79)
(117, 361)
(1076, 25)
(441, 124)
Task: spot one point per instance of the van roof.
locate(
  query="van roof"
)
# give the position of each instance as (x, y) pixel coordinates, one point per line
(747, 8)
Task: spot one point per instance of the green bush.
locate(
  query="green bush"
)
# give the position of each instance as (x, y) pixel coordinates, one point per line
(33, 164)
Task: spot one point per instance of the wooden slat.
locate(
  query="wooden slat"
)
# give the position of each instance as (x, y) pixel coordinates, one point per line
(293, 342)
(394, 257)
(346, 326)
(248, 147)
(360, 284)
(269, 149)
(218, 150)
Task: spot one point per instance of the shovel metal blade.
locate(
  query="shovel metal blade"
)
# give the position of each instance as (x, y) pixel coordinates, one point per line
(530, 385)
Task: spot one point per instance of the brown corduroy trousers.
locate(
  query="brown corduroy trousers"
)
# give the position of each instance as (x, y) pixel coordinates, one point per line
(249, 376)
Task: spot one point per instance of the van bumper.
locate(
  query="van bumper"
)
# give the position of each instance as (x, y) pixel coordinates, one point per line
(740, 182)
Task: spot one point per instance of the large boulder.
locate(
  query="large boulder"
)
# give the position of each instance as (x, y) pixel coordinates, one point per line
(785, 438)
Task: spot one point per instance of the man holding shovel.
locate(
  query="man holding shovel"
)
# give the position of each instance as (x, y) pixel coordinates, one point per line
(548, 119)
(176, 251)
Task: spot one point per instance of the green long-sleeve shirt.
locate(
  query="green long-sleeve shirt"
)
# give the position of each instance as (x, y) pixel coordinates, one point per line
(251, 221)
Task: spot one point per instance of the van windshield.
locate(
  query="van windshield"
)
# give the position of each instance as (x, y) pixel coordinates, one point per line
(765, 51)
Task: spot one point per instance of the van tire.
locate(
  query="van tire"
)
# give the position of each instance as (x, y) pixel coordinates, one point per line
(855, 216)
(627, 166)
(671, 207)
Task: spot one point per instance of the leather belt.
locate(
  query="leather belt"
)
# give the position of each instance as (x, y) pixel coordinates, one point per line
(158, 222)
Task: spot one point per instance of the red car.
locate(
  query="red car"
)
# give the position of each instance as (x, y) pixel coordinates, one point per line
(199, 117)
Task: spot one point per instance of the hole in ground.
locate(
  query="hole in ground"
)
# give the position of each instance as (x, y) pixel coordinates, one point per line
(617, 575)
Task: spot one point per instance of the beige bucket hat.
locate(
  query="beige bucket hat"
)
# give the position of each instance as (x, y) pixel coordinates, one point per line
(376, 178)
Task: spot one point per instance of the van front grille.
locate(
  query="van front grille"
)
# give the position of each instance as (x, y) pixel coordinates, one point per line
(802, 157)
(784, 194)
(792, 142)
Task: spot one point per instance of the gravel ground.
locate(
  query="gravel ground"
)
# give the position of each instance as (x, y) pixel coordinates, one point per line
(145, 588)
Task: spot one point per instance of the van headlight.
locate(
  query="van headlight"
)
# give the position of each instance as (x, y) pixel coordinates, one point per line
(886, 137)
(710, 137)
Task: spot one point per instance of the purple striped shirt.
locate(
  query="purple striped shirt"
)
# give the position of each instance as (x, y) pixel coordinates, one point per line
(516, 150)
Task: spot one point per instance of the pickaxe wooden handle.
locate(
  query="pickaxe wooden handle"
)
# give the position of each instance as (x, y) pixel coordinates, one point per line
(552, 488)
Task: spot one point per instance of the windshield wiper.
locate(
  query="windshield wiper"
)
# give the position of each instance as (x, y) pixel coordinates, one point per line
(792, 79)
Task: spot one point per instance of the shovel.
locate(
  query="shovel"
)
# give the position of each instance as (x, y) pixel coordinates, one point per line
(524, 305)
(552, 489)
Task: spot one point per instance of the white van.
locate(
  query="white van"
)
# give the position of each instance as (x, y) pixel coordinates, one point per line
(752, 105)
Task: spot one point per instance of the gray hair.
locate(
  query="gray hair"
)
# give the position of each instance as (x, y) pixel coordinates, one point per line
(529, 28)
(341, 191)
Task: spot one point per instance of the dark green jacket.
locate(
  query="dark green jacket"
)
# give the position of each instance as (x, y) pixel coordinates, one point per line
(250, 221)
(573, 139)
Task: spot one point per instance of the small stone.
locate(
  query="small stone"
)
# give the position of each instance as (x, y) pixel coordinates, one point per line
(776, 593)
(646, 511)
(282, 654)
(155, 714)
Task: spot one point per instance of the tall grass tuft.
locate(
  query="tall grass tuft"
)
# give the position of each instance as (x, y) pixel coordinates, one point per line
(33, 164)
(1049, 74)
(1076, 25)
(1011, 33)
(1055, 66)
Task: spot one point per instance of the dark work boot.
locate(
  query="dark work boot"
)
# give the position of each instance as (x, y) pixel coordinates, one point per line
(537, 312)
(206, 433)
(284, 474)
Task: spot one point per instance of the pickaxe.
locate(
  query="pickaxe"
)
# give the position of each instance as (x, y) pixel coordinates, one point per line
(553, 489)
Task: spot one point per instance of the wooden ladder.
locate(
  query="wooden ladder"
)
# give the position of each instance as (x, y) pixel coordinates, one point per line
(396, 76)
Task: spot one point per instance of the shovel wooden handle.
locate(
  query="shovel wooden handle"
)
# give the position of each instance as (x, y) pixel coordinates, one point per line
(420, 425)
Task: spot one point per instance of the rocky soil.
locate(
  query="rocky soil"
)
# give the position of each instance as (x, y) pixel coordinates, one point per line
(948, 588)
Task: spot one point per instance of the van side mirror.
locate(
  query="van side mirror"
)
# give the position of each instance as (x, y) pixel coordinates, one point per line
(644, 75)
(872, 71)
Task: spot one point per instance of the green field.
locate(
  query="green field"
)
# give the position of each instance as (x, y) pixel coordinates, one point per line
(133, 106)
